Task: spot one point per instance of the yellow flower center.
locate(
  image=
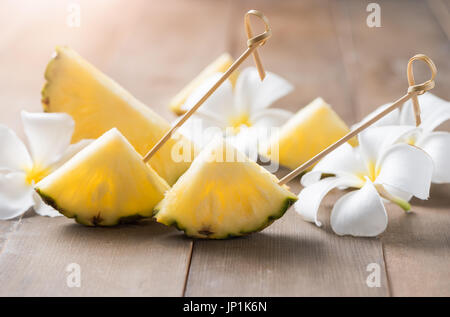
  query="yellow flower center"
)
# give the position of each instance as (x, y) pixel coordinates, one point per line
(35, 174)
(411, 141)
(238, 121)
(372, 173)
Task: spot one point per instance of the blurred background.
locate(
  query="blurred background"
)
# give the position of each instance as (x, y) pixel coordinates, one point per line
(153, 48)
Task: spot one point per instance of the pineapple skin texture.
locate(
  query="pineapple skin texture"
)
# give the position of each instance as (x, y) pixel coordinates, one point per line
(311, 130)
(221, 200)
(105, 184)
(219, 65)
(97, 104)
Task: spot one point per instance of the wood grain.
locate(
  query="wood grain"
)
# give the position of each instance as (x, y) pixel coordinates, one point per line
(292, 257)
(416, 246)
(153, 48)
(125, 261)
(136, 260)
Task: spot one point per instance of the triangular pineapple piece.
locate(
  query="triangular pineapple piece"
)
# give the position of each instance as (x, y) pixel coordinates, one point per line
(223, 194)
(104, 184)
(97, 104)
(307, 133)
(220, 65)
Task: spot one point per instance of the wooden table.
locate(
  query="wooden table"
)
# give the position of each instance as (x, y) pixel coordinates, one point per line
(153, 48)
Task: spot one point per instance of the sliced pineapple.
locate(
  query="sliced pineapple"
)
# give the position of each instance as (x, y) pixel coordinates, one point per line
(104, 184)
(220, 65)
(218, 199)
(308, 132)
(97, 104)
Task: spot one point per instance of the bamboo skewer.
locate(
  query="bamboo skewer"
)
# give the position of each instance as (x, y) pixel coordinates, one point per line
(252, 44)
(412, 93)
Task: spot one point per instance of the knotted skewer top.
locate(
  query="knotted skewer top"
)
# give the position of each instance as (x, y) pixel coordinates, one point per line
(253, 43)
(258, 40)
(412, 93)
(419, 89)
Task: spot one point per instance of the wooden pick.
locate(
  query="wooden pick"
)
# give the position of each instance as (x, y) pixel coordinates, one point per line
(248, 29)
(412, 93)
(411, 82)
(252, 44)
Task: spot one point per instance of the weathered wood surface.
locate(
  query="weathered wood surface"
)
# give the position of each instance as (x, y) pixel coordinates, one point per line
(292, 257)
(153, 48)
(416, 246)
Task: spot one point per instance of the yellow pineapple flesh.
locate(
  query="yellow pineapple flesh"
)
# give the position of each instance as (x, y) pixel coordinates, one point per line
(105, 184)
(97, 104)
(220, 65)
(223, 194)
(307, 133)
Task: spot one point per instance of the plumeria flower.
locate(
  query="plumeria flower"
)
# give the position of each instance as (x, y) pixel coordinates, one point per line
(382, 168)
(237, 113)
(434, 112)
(48, 137)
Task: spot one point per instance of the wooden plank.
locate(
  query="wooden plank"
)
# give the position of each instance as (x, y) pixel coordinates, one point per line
(143, 260)
(292, 257)
(135, 260)
(416, 245)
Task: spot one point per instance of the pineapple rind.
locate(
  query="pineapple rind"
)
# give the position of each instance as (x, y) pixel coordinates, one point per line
(105, 184)
(215, 200)
(270, 219)
(92, 222)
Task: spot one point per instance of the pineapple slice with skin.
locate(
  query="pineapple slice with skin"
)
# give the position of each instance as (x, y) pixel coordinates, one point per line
(220, 65)
(218, 199)
(105, 184)
(311, 130)
(97, 104)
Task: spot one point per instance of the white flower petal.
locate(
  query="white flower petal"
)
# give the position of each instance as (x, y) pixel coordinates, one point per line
(310, 178)
(407, 168)
(393, 118)
(219, 105)
(437, 145)
(374, 141)
(269, 118)
(13, 153)
(397, 193)
(16, 196)
(434, 111)
(253, 95)
(48, 134)
(201, 129)
(310, 197)
(42, 208)
(246, 141)
(70, 152)
(360, 213)
(345, 160)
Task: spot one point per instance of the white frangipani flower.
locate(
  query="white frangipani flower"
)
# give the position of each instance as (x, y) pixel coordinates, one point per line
(48, 136)
(234, 113)
(434, 112)
(382, 167)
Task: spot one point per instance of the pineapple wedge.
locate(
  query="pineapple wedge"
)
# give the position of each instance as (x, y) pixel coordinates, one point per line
(218, 199)
(220, 65)
(105, 184)
(97, 104)
(308, 132)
